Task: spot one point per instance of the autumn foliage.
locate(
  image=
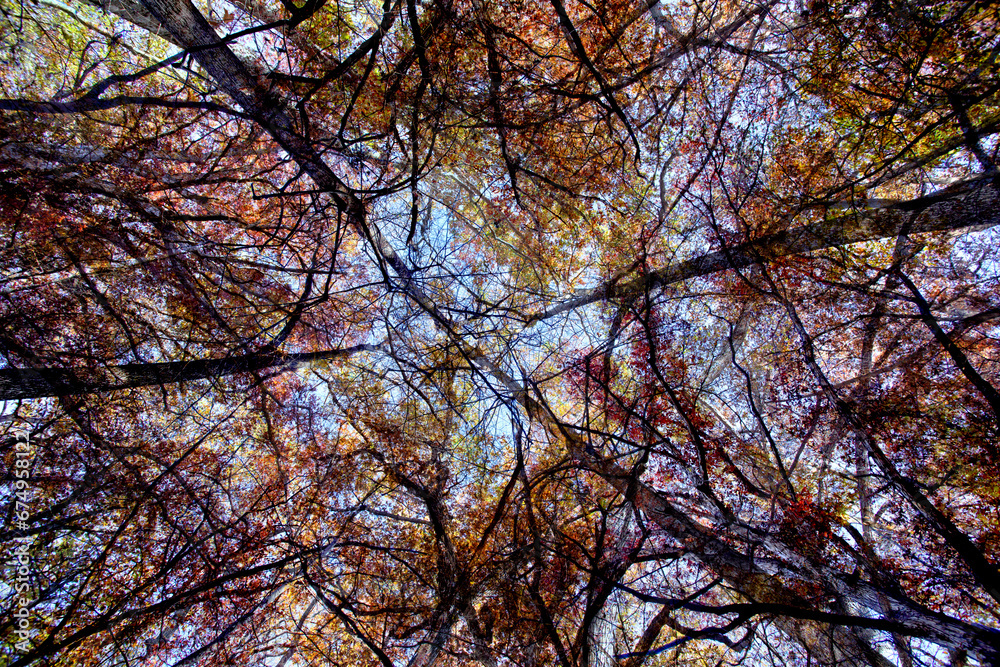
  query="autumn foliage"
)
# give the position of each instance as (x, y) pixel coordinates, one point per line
(446, 332)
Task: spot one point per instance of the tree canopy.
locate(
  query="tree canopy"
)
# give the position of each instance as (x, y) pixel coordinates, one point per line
(443, 332)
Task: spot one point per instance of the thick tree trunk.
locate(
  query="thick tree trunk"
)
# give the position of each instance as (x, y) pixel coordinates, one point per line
(970, 205)
(134, 14)
(770, 589)
(188, 27)
(769, 592)
(27, 383)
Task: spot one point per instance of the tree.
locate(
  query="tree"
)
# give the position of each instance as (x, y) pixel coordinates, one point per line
(511, 333)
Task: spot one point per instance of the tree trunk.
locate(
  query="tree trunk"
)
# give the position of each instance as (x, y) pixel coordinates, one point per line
(973, 204)
(768, 592)
(27, 383)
